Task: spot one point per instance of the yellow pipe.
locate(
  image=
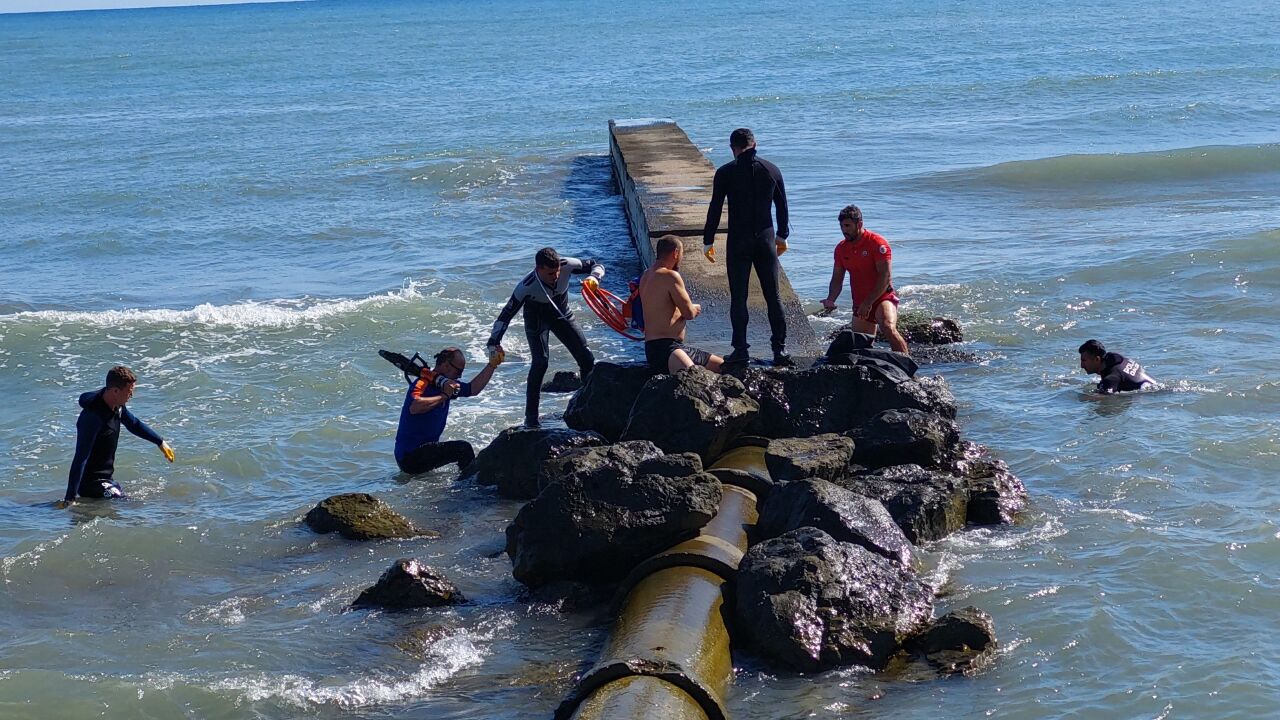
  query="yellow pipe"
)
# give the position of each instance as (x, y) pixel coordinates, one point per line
(668, 654)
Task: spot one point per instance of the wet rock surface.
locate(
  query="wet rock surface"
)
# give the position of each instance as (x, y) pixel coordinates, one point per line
(823, 456)
(604, 402)
(360, 516)
(595, 524)
(563, 381)
(926, 504)
(694, 410)
(844, 515)
(615, 462)
(514, 460)
(810, 602)
(910, 436)
(410, 584)
(922, 328)
(996, 495)
(837, 398)
(962, 641)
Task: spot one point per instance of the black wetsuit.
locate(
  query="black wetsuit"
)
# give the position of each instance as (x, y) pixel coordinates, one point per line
(546, 310)
(752, 184)
(1120, 374)
(97, 434)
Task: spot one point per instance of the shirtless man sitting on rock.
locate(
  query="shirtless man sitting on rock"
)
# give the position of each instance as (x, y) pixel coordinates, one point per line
(667, 307)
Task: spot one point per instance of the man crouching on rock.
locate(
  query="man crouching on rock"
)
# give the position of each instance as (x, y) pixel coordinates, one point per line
(667, 307)
(426, 410)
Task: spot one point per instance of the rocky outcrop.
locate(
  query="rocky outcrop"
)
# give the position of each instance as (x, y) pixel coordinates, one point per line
(962, 641)
(996, 495)
(563, 381)
(921, 328)
(844, 515)
(910, 436)
(927, 505)
(837, 398)
(821, 456)
(594, 524)
(513, 461)
(810, 602)
(694, 410)
(360, 516)
(616, 462)
(604, 402)
(410, 584)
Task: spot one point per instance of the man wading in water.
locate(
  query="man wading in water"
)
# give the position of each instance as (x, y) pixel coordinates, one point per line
(751, 184)
(1119, 374)
(868, 259)
(98, 433)
(667, 307)
(544, 295)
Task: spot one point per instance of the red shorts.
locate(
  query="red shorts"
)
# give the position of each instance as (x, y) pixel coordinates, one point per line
(889, 295)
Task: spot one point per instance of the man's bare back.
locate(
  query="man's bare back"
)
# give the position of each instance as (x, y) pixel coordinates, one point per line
(659, 289)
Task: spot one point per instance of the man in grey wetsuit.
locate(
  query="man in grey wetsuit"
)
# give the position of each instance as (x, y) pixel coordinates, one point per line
(544, 295)
(98, 433)
(1119, 374)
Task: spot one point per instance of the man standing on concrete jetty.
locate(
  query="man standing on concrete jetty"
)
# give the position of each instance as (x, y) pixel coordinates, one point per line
(426, 410)
(98, 433)
(667, 307)
(868, 259)
(752, 184)
(1119, 373)
(544, 295)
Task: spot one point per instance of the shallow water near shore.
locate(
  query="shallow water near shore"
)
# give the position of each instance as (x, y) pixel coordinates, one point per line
(245, 203)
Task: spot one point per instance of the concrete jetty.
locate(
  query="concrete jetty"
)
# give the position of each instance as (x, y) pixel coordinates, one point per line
(666, 183)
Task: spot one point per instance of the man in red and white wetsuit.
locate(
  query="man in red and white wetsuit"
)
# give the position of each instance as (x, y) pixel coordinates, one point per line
(867, 258)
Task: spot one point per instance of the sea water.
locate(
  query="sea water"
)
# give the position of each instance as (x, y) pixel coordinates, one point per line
(245, 203)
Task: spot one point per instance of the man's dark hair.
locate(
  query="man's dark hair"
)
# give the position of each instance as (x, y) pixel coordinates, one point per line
(547, 257)
(741, 138)
(667, 244)
(120, 377)
(1094, 348)
(448, 353)
(850, 212)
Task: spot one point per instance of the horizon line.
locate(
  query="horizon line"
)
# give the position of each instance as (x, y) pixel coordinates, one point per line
(144, 5)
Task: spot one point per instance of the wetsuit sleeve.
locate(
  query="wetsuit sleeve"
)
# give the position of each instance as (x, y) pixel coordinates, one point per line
(87, 429)
(139, 428)
(780, 203)
(464, 389)
(583, 267)
(504, 319)
(716, 207)
(1110, 382)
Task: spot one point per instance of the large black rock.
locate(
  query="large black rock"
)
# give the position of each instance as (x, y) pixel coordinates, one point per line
(836, 398)
(821, 456)
(921, 328)
(909, 436)
(616, 462)
(604, 402)
(694, 410)
(962, 641)
(810, 602)
(996, 495)
(360, 516)
(514, 459)
(842, 514)
(410, 584)
(927, 505)
(596, 525)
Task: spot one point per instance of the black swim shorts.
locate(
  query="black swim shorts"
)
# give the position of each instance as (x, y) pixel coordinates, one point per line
(657, 352)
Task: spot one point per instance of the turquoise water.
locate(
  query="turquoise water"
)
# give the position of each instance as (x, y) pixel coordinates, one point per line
(243, 203)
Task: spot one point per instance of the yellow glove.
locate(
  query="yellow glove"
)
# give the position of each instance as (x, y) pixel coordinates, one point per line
(710, 252)
(781, 245)
(591, 284)
(497, 356)
(168, 451)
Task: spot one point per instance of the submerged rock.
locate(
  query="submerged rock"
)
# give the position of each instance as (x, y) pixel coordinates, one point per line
(837, 398)
(927, 505)
(563, 381)
(513, 461)
(595, 525)
(910, 436)
(824, 456)
(604, 402)
(810, 602)
(360, 516)
(844, 515)
(694, 410)
(962, 641)
(410, 584)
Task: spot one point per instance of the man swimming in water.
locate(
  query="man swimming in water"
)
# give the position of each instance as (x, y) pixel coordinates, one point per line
(667, 307)
(98, 433)
(426, 410)
(868, 259)
(1119, 374)
(544, 295)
